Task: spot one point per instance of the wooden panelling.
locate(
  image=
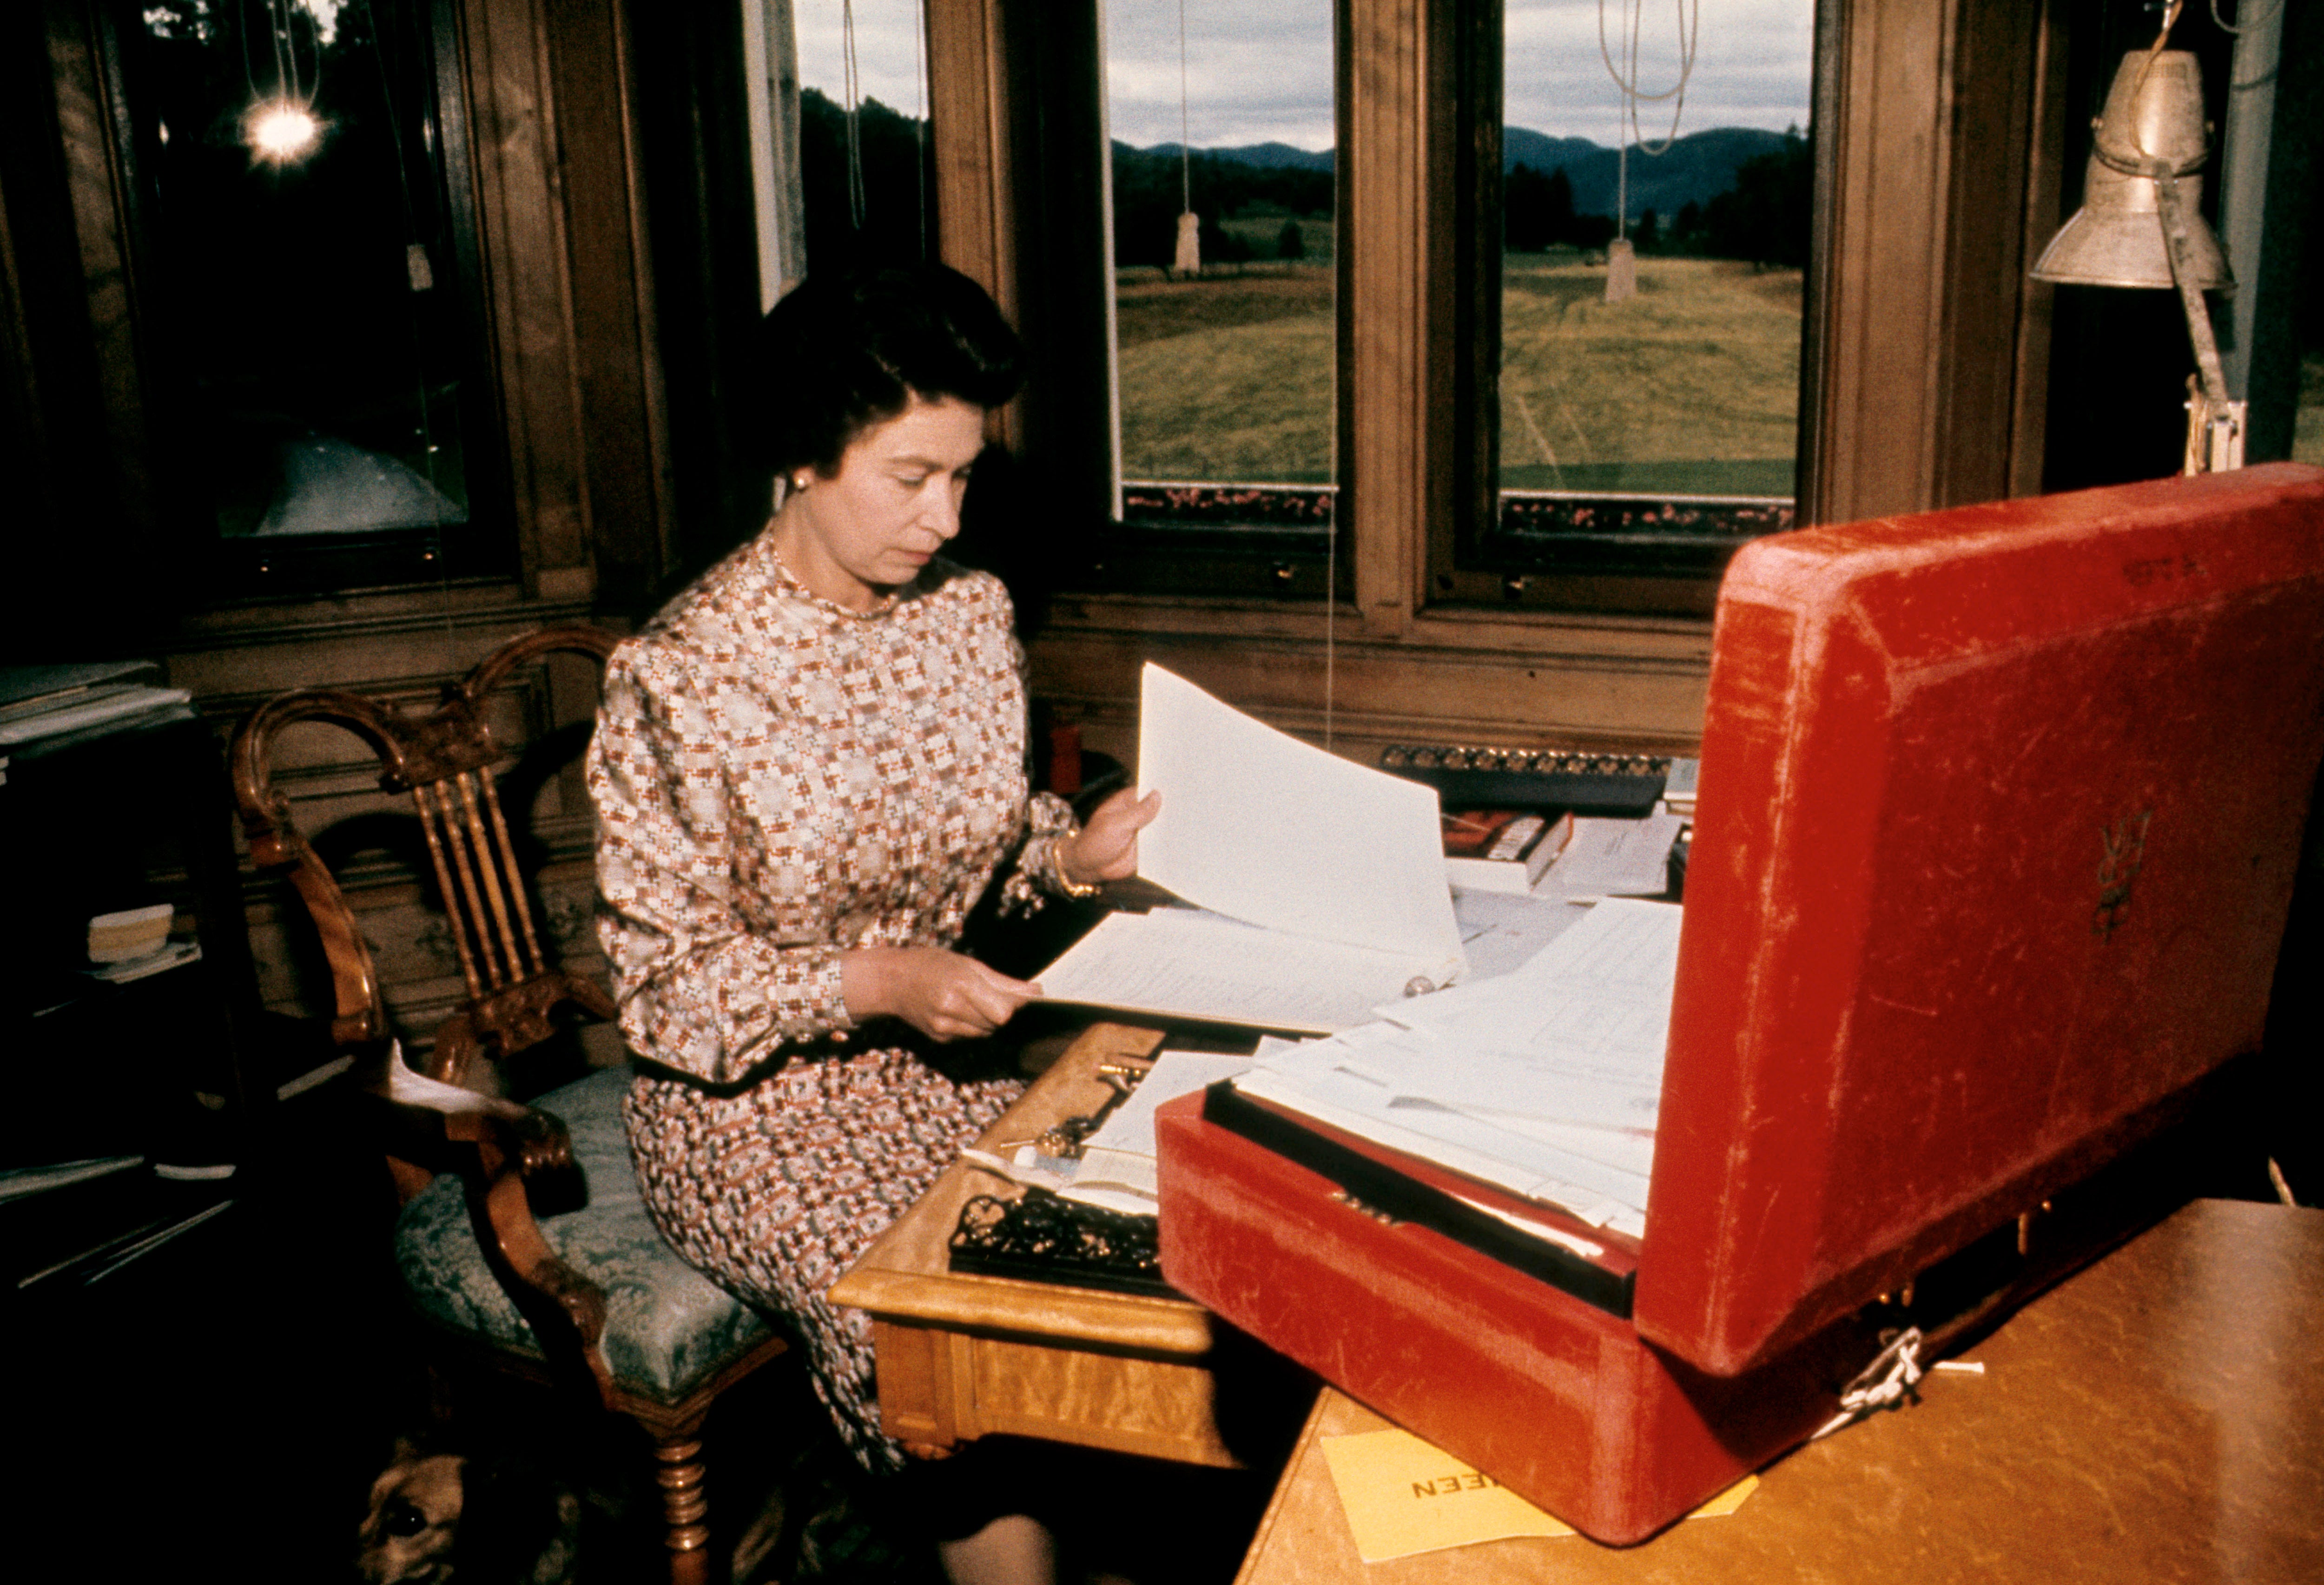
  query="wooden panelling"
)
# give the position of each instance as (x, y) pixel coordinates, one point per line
(1472, 677)
(969, 119)
(1931, 173)
(625, 450)
(412, 946)
(1987, 417)
(1390, 319)
(91, 168)
(512, 109)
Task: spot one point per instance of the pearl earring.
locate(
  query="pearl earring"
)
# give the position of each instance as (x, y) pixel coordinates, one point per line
(800, 483)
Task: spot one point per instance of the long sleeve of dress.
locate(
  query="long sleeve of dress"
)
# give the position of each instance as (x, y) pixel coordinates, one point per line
(706, 989)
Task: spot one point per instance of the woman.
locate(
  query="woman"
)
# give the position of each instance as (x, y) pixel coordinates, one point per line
(807, 770)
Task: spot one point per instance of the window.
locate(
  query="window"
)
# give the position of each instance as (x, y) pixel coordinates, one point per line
(1221, 194)
(1656, 189)
(1931, 145)
(1231, 381)
(307, 281)
(863, 148)
(1222, 209)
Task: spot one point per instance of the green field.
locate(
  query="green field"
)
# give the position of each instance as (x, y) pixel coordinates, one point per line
(1689, 388)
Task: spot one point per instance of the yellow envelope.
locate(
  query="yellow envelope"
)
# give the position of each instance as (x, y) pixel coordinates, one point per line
(1403, 1496)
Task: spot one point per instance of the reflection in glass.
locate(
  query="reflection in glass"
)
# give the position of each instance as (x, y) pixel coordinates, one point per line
(302, 246)
(1224, 358)
(1690, 387)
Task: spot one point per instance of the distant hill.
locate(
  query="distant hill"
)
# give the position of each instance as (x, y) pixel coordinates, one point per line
(1697, 167)
(1262, 156)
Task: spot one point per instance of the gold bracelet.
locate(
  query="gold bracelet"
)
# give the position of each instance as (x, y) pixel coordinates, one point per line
(1080, 891)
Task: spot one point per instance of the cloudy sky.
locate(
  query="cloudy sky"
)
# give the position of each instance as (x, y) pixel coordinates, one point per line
(1258, 70)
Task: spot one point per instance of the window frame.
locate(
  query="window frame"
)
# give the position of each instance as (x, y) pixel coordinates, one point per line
(572, 365)
(225, 568)
(1919, 325)
(1938, 125)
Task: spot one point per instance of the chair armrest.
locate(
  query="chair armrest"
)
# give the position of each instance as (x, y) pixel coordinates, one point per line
(503, 1151)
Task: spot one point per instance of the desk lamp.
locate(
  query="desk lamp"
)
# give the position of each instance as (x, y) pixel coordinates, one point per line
(2141, 224)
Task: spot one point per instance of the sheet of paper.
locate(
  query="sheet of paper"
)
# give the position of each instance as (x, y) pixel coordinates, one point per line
(1546, 1081)
(1179, 963)
(1598, 1194)
(1266, 829)
(1512, 1083)
(1403, 1495)
(1595, 1000)
(1614, 858)
(1501, 932)
(1117, 1165)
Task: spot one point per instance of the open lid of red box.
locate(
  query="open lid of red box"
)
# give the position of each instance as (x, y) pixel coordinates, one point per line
(1999, 816)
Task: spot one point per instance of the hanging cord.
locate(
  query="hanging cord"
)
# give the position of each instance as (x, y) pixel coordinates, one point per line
(1187, 254)
(278, 35)
(1185, 148)
(851, 85)
(2242, 24)
(1625, 78)
(2154, 53)
(242, 35)
(307, 90)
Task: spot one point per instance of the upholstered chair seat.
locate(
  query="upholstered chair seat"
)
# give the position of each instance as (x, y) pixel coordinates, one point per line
(669, 1329)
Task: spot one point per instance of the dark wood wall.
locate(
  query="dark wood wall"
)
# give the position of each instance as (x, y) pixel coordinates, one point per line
(546, 118)
(610, 209)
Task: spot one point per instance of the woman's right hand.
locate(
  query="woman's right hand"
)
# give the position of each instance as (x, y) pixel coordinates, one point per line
(942, 994)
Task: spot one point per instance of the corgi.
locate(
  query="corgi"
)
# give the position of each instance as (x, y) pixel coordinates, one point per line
(437, 1517)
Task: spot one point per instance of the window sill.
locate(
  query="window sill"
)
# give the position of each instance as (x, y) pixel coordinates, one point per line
(1481, 677)
(295, 619)
(1684, 641)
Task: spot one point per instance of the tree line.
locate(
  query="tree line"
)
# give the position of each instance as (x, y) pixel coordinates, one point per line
(1150, 190)
(1763, 218)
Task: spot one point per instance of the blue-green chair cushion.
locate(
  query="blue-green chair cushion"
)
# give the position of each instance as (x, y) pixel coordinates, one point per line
(667, 1327)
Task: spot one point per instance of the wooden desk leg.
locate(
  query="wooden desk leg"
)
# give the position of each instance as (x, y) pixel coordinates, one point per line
(917, 1393)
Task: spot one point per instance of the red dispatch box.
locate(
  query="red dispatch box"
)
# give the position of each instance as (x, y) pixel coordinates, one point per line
(2000, 811)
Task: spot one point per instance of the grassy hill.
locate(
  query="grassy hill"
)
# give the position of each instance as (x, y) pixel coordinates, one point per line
(1691, 388)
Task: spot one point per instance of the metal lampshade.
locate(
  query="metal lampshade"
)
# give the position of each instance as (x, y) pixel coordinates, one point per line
(2116, 239)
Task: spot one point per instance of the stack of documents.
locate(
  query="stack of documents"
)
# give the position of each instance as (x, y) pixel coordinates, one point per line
(1515, 1040)
(1116, 1169)
(1545, 1082)
(1320, 882)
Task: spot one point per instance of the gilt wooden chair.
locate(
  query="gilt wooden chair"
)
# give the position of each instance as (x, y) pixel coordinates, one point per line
(522, 1239)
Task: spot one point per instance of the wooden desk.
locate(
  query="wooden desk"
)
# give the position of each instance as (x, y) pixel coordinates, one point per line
(2159, 1417)
(962, 1356)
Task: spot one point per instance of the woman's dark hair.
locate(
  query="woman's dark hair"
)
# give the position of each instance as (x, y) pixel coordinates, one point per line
(848, 350)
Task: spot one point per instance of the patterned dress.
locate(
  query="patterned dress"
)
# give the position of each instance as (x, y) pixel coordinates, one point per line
(778, 779)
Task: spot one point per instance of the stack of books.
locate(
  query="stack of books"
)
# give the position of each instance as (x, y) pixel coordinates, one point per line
(45, 707)
(69, 1224)
(1678, 788)
(1502, 849)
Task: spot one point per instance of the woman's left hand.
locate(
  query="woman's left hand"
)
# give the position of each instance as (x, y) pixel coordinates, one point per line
(1107, 847)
